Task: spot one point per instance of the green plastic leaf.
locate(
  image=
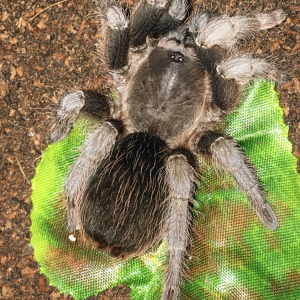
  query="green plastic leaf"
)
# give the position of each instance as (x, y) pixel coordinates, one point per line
(232, 255)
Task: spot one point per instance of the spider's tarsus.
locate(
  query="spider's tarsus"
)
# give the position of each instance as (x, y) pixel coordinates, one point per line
(272, 19)
(68, 110)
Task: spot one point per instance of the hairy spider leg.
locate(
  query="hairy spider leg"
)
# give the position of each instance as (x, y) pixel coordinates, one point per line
(96, 147)
(227, 156)
(72, 105)
(231, 74)
(224, 31)
(181, 181)
(216, 37)
(117, 38)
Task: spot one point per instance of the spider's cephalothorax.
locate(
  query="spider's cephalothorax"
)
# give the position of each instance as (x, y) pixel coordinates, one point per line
(134, 181)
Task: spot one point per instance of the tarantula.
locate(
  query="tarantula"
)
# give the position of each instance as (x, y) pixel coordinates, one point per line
(176, 75)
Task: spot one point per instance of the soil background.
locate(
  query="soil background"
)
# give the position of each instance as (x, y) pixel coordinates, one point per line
(48, 48)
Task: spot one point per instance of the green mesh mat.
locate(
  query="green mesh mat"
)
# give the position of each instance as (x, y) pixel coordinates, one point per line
(232, 255)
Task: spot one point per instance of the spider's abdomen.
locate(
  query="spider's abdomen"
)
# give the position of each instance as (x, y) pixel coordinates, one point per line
(124, 205)
(167, 91)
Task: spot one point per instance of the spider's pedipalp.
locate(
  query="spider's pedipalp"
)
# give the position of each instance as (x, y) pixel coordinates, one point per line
(70, 107)
(170, 20)
(210, 57)
(117, 43)
(144, 18)
(225, 31)
(180, 179)
(93, 151)
(226, 155)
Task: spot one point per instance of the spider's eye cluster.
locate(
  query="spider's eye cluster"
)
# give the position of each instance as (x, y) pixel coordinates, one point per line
(177, 57)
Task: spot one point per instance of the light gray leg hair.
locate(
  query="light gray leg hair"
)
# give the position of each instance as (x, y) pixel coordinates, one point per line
(177, 9)
(227, 156)
(180, 178)
(243, 69)
(116, 18)
(199, 21)
(93, 151)
(271, 20)
(66, 115)
(225, 31)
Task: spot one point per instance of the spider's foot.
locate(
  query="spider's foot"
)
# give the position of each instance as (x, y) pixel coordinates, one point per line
(67, 113)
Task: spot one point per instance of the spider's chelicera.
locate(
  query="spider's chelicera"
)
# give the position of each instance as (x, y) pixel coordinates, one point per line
(176, 77)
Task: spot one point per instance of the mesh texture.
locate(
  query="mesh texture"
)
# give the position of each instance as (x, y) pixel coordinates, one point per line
(232, 255)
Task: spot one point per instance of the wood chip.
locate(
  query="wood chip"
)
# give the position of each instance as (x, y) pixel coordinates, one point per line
(29, 27)
(7, 292)
(55, 295)
(20, 71)
(82, 25)
(42, 284)
(38, 68)
(13, 73)
(296, 153)
(12, 215)
(2, 89)
(37, 83)
(296, 85)
(4, 36)
(287, 111)
(3, 260)
(38, 10)
(21, 23)
(297, 46)
(5, 15)
(295, 8)
(22, 111)
(41, 24)
(58, 56)
(8, 224)
(12, 41)
(54, 99)
(67, 61)
(27, 271)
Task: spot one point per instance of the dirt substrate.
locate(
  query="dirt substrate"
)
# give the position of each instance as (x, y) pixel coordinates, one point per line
(47, 48)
